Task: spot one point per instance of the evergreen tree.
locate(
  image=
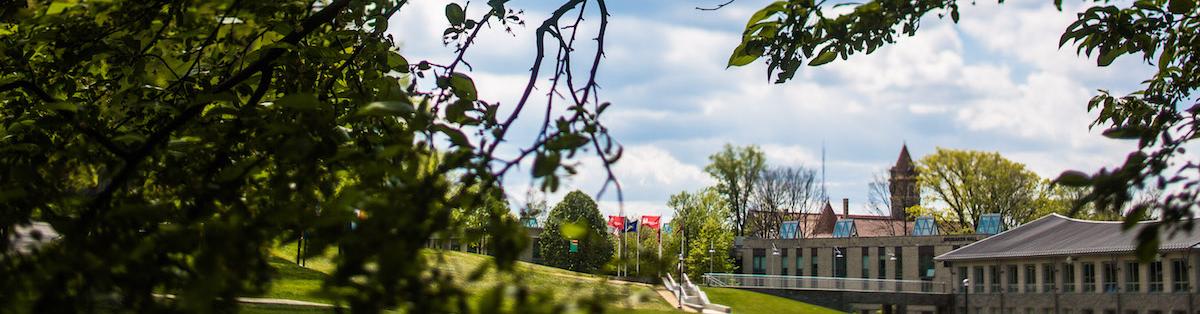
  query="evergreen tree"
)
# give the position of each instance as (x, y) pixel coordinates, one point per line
(576, 217)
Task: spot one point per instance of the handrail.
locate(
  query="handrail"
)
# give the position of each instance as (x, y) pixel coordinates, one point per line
(826, 283)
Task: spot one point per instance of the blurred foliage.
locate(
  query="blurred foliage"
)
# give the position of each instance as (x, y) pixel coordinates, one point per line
(1161, 117)
(578, 218)
(172, 143)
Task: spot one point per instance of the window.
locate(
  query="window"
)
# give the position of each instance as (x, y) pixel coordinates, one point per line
(799, 262)
(962, 276)
(845, 229)
(994, 279)
(783, 262)
(812, 256)
(759, 262)
(924, 226)
(1156, 276)
(881, 273)
(1011, 272)
(866, 262)
(989, 224)
(1030, 278)
(537, 249)
(1089, 277)
(899, 263)
(1179, 276)
(1110, 277)
(1068, 275)
(839, 262)
(925, 262)
(1047, 277)
(1133, 277)
(978, 283)
(787, 229)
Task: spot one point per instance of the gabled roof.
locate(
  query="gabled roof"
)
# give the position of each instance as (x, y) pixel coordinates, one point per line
(904, 161)
(826, 221)
(1056, 235)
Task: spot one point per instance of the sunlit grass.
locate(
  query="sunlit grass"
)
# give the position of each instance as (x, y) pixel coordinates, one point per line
(304, 283)
(743, 301)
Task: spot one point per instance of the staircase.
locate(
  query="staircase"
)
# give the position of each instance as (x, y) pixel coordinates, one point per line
(693, 298)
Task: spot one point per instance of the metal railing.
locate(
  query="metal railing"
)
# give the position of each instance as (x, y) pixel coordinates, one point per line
(824, 283)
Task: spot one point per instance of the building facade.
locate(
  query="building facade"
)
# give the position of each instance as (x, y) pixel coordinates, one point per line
(1062, 265)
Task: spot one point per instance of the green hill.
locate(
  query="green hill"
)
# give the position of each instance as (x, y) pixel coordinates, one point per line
(743, 301)
(300, 283)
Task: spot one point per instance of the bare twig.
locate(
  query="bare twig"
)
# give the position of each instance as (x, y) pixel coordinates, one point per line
(718, 7)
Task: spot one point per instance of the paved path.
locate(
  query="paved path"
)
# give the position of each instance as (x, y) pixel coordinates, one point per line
(671, 298)
(265, 301)
(270, 301)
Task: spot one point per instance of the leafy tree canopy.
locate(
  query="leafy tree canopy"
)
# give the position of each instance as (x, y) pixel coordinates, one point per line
(700, 223)
(973, 183)
(1161, 117)
(578, 218)
(171, 143)
(737, 169)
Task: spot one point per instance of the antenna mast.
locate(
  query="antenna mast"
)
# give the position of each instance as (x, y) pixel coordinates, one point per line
(824, 194)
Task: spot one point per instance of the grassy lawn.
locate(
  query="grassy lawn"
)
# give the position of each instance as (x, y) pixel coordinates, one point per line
(743, 301)
(280, 309)
(563, 285)
(304, 283)
(295, 282)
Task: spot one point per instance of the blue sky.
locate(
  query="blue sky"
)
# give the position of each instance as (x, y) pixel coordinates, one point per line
(996, 81)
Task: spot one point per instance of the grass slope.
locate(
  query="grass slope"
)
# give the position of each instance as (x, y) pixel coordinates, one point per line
(743, 301)
(304, 283)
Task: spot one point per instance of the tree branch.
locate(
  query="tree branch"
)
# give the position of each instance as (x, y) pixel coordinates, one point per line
(157, 138)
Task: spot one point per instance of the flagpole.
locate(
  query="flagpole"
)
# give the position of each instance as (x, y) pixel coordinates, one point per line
(637, 236)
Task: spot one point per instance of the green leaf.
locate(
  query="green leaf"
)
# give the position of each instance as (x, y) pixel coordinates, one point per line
(497, 6)
(1073, 178)
(1128, 132)
(1181, 6)
(825, 57)
(299, 101)
(455, 14)
(741, 57)
(1108, 57)
(387, 108)
(397, 62)
(59, 106)
(770, 9)
(544, 164)
(463, 86)
(570, 141)
(573, 230)
(456, 136)
(59, 7)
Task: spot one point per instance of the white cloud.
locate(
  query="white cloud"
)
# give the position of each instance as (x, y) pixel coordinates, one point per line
(995, 82)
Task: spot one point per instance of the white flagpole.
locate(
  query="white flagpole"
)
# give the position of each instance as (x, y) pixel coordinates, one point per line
(638, 237)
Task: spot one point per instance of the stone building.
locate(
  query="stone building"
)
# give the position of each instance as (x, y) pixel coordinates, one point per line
(890, 247)
(1062, 265)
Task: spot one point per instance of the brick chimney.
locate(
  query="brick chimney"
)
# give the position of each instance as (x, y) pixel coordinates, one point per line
(845, 208)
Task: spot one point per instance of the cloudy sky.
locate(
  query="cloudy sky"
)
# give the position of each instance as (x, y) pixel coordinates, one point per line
(996, 81)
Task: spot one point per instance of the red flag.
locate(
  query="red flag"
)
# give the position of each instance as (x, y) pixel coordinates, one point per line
(651, 221)
(617, 222)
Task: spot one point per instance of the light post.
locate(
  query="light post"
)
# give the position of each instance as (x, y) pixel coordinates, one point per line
(837, 255)
(966, 297)
(679, 284)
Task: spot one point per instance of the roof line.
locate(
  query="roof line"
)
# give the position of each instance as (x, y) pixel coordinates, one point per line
(998, 234)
